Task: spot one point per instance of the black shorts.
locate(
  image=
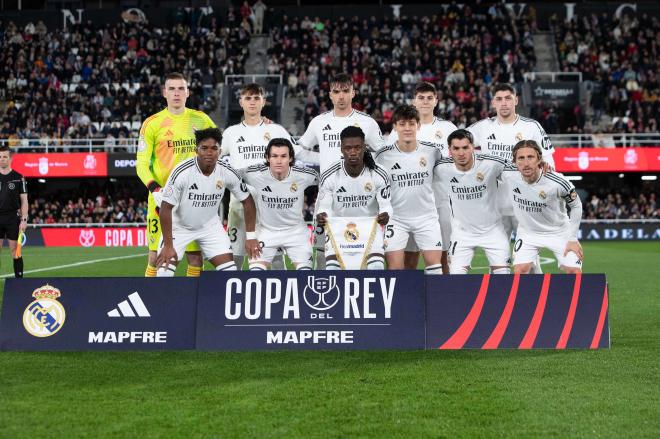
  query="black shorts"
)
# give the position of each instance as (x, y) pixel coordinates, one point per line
(9, 227)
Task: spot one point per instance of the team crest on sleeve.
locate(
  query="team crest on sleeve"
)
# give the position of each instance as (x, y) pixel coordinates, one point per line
(267, 136)
(480, 177)
(438, 134)
(168, 191)
(45, 316)
(519, 137)
(351, 233)
(542, 195)
(294, 187)
(219, 184)
(423, 162)
(368, 187)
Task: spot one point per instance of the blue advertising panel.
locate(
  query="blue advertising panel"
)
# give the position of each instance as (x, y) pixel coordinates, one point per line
(98, 314)
(311, 310)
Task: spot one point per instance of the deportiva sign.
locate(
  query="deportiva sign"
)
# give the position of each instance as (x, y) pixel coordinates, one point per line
(94, 237)
(294, 310)
(607, 160)
(72, 164)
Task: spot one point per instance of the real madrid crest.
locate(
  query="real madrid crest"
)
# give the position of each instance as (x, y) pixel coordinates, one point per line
(219, 184)
(45, 316)
(480, 177)
(438, 134)
(422, 162)
(519, 137)
(542, 195)
(294, 187)
(267, 136)
(368, 187)
(351, 233)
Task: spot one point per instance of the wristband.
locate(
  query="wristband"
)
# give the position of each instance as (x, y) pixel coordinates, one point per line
(250, 235)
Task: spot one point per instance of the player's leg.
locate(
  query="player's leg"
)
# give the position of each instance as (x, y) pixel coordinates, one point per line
(444, 217)
(428, 238)
(181, 238)
(296, 245)
(525, 253)
(12, 238)
(265, 259)
(411, 255)
(153, 236)
(236, 231)
(569, 264)
(510, 226)
(396, 239)
(496, 247)
(376, 261)
(376, 258)
(278, 262)
(319, 245)
(218, 246)
(195, 260)
(461, 252)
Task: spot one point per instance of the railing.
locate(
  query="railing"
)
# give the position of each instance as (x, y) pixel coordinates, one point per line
(553, 76)
(130, 145)
(232, 79)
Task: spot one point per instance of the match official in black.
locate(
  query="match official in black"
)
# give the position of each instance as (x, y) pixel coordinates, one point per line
(13, 207)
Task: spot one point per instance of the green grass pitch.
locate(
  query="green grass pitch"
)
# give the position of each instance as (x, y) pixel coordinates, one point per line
(408, 394)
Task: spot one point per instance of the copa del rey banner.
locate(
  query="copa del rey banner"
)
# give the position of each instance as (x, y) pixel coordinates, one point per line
(94, 237)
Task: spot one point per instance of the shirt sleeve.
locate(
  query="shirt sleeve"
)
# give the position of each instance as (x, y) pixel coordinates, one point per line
(543, 140)
(308, 140)
(573, 201)
(209, 122)
(236, 185)
(374, 138)
(174, 188)
(145, 152)
(474, 130)
(225, 146)
(23, 187)
(326, 191)
(384, 197)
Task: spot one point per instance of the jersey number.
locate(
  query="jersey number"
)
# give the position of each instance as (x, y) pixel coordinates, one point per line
(389, 231)
(154, 226)
(517, 245)
(232, 234)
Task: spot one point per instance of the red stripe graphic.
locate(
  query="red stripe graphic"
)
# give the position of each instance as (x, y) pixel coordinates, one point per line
(495, 338)
(601, 322)
(568, 325)
(461, 335)
(529, 338)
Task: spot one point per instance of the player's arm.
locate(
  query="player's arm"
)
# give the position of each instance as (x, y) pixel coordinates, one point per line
(240, 190)
(476, 138)
(575, 216)
(325, 197)
(374, 137)
(543, 140)
(308, 140)
(144, 156)
(24, 206)
(227, 143)
(384, 197)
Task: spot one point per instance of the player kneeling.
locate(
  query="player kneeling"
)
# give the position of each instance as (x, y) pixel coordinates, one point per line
(189, 211)
(471, 181)
(539, 202)
(280, 192)
(355, 187)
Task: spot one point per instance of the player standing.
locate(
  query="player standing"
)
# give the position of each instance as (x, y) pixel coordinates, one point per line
(432, 131)
(325, 131)
(471, 180)
(410, 168)
(189, 210)
(166, 139)
(13, 207)
(279, 192)
(245, 144)
(539, 201)
(356, 187)
(497, 136)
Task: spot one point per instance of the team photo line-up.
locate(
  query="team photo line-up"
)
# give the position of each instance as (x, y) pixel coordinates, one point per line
(429, 188)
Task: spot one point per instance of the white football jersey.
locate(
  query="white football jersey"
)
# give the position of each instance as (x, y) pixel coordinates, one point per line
(196, 197)
(540, 207)
(368, 194)
(499, 139)
(324, 131)
(411, 175)
(280, 202)
(436, 134)
(472, 193)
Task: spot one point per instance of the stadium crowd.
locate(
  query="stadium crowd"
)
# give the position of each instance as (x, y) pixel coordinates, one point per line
(615, 205)
(462, 51)
(619, 60)
(91, 82)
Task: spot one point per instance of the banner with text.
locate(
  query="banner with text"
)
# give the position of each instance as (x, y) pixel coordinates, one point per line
(70, 164)
(98, 314)
(311, 310)
(607, 160)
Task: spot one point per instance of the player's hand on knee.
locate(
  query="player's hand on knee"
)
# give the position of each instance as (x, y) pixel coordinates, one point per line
(322, 219)
(575, 247)
(383, 218)
(252, 248)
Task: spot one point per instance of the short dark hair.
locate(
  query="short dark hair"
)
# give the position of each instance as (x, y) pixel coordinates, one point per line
(504, 87)
(280, 141)
(341, 79)
(425, 87)
(527, 144)
(252, 89)
(208, 133)
(352, 131)
(174, 75)
(460, 134)
(405, 112)
(4, 148)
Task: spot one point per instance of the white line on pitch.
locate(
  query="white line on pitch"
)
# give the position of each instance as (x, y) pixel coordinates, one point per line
(75, 264)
